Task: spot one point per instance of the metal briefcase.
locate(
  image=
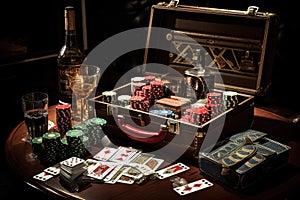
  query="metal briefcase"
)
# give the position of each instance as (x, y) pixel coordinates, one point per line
(240, 47)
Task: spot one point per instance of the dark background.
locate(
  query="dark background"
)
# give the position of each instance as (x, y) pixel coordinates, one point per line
(32, 32)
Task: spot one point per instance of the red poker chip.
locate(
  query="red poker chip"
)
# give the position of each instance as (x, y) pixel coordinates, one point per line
(63, 106)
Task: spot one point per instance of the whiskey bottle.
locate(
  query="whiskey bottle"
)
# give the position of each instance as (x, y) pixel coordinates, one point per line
(69, 57)
(198, 79)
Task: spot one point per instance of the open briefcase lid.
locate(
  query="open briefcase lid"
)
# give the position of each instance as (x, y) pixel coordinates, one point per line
(240, 45)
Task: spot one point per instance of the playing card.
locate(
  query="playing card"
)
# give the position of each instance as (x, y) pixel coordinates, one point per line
(90, 164)
(171, 170)
(154, 163)
(133, 172)
(43, 176)
(125, 179)
(117, 173)
(193, 187)
(124, 154)
(105, 153)
(72, 162)
(54, 170)
(142, 158)
(101, 169)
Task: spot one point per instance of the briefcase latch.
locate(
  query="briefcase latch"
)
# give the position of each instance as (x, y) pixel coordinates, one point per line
(252, 10)
(173, 126)
(173, 3)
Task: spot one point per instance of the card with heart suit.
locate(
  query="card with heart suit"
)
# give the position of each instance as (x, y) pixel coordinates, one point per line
(172, 170)
(105, 153)
(193, 187)
(124, 154)
(101, 169)
(43, 176)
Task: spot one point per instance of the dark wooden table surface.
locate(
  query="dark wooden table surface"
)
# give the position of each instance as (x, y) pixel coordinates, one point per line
(17, 155)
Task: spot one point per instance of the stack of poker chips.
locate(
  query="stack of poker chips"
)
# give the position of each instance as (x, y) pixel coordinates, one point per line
(196, 115)
(75, 142)
(139, 103)
(109, 96)
(136, 84)
(148, 79)
(51, 147)
(37, 147)
(164, 113)
(157, 89)
(230, 99)
(63, 152)
(94, 130)
(214, 103)
(124, 100)
(63, 118)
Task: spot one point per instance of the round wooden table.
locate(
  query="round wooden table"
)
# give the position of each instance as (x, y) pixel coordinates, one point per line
(17, 155)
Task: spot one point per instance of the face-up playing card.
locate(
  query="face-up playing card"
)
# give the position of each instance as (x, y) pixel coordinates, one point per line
(133, 172)
(142, 158)
(43, 176)
(116, 174)
(101, 169)
(124, 154)
(171, 170)
(52, 170)
(193, 187)
(154, 163)
(72, 162)
(105, 153)
(125, 179)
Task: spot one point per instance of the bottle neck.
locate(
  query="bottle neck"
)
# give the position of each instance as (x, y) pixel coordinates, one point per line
(70, 38)
(70, 27)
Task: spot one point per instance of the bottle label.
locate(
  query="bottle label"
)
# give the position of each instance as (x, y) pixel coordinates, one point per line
(66, 75)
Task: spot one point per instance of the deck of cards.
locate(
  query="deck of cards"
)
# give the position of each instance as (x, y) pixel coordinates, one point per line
(72, 167)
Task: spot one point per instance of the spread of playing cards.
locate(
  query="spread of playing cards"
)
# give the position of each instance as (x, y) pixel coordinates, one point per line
(120, 165)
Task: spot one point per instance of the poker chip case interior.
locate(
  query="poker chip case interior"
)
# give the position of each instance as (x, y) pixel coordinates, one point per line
(240, 45)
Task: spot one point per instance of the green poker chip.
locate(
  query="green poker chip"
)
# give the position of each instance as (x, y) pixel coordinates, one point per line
(74, 133)
(37, 140)
(81, 127)
(51, 135)
(96, 121)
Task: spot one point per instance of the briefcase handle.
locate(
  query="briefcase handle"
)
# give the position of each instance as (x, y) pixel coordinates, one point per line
(141, 135)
